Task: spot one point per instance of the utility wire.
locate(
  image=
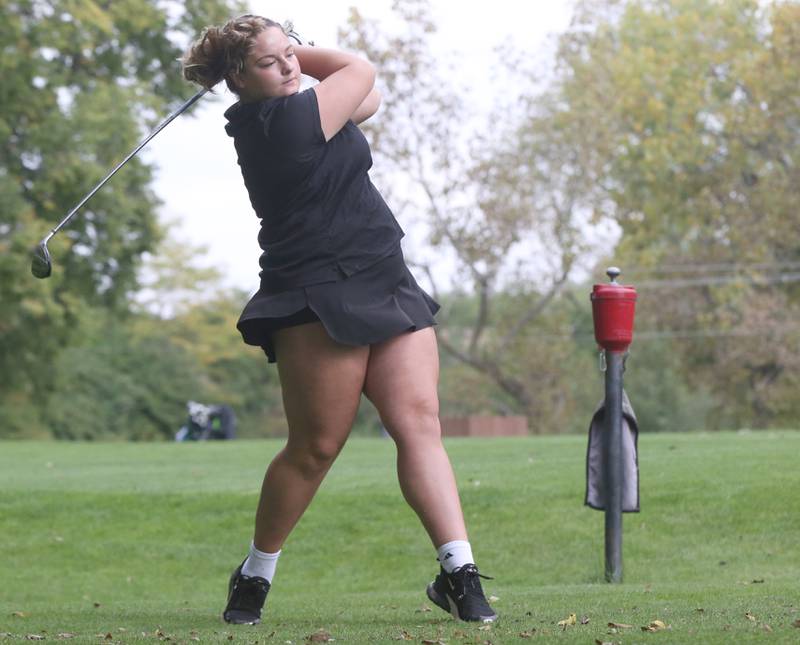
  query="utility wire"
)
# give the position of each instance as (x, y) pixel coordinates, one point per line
(707, 281)
(719, 267)
(784, 330)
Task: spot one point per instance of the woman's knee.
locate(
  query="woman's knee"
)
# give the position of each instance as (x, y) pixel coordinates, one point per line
(313, 457)
(417, 421)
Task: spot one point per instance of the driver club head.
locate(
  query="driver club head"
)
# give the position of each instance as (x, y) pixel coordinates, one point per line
(41, 266)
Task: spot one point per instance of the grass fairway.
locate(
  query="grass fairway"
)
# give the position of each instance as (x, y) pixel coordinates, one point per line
(134, 543)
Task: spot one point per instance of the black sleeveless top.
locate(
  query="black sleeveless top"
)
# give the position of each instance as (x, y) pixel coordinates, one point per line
(321, 218)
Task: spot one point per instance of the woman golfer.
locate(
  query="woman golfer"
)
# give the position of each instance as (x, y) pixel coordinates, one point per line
(337, 308)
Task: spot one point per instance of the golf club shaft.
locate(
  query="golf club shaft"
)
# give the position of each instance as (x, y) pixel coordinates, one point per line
(89, 195)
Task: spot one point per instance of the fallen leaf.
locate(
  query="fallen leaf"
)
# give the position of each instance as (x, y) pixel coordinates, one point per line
(569, 620)
(65, 635)
(423, 609)
(766, 627)
(320, 636)
(655, 626)
(485, 628)
(584, 620)
(109, 636)
(19, 614)
(493, 598)
(597, 641)
(796, 624)
(404, 636)
(527, 634)
(620, 626)
(34, 637)
(750, 617)
(428, 642)
(700, 610)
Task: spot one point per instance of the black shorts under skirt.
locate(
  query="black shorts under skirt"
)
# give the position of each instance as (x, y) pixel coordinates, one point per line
(367, 307)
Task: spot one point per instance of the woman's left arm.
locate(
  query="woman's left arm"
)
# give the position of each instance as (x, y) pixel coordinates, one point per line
(368, 107)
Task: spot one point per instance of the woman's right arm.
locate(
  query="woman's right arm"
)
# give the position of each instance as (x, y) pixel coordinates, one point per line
(345, 81)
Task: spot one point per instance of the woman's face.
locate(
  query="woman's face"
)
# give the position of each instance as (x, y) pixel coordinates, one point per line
(271, 68)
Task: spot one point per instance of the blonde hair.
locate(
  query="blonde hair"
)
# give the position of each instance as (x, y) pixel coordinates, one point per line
(222, 51)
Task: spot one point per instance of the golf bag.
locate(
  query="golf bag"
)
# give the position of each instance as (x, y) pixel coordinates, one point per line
(206, 422)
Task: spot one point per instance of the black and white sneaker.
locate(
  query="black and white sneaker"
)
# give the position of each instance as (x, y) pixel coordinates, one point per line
(460, 593)
(246, 597)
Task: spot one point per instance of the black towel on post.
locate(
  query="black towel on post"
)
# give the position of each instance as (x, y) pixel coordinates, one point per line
(595, 481)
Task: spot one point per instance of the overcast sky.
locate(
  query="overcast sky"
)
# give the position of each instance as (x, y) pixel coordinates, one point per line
(198, 178)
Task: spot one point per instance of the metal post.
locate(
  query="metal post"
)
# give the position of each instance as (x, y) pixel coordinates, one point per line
(613, 465)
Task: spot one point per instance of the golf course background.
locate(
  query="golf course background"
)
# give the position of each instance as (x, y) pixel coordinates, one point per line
(125, 542)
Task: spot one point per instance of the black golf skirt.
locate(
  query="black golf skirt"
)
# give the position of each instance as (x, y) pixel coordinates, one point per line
(367, 307)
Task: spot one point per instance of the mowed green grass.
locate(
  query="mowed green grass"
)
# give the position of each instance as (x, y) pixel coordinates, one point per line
(135, 542)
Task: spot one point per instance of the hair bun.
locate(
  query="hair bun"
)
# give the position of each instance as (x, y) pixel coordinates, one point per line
(221, 51)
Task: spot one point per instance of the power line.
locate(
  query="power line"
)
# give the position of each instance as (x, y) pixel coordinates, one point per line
(678, 334)
(713, 333)
(719, 267)
(708, 281)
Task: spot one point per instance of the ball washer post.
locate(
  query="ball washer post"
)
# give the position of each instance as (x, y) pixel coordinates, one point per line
(613, 308)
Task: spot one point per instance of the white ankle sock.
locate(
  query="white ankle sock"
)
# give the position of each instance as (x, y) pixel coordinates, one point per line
(454, 554)
(260, 564)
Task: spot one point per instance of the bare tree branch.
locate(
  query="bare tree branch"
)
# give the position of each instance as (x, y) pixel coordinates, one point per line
(483, 315)
(533, 312)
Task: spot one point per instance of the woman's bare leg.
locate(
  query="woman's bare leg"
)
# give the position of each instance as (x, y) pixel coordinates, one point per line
(401, 381)
(321, 381)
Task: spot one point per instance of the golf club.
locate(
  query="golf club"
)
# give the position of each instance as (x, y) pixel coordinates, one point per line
(41, 265)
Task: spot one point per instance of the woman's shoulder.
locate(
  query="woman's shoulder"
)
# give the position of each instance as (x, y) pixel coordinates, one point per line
(299, 104)
(293, 119)
(266, 109)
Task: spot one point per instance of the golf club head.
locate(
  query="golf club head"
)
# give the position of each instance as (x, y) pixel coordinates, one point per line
(41, 266)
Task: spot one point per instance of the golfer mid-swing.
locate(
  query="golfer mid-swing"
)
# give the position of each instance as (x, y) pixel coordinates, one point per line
(337, 308)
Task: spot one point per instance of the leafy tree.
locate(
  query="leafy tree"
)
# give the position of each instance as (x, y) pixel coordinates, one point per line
(688, 115)
(82, 79)
(231, 372)
(118, 385)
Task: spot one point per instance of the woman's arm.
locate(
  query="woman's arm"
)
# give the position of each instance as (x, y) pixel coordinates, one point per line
(368, 107)
(346, 82)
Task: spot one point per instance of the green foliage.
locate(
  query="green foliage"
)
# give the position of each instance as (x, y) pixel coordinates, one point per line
(694, 138)
(677, 120)
(82, 80)
(662, 398)
(231, 372)
(121, 387)
(689, 138)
